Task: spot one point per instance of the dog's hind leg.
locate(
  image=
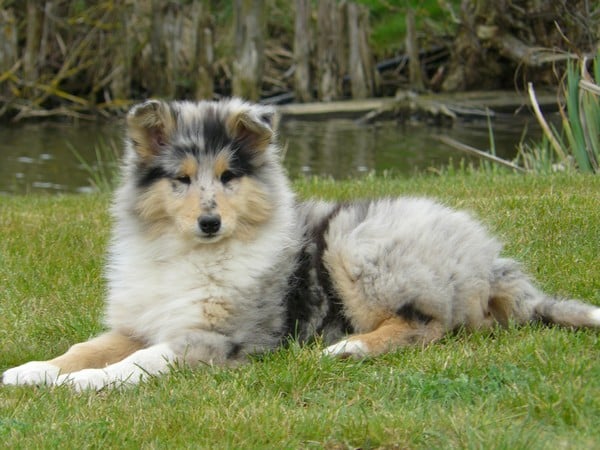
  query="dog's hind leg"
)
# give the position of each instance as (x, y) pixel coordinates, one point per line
(99, 352)
(392, 333)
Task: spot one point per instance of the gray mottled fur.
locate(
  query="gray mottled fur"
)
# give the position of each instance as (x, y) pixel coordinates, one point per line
(441, 262)
(390, 271)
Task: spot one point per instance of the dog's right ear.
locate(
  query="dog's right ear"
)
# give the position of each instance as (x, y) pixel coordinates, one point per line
(149, 126)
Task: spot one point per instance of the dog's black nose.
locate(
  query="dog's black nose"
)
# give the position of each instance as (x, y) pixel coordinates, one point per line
(210, 223)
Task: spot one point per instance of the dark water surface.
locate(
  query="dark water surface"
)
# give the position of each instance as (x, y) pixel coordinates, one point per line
(41, 157)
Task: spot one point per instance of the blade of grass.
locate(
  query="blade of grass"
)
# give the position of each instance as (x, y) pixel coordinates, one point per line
(472, 150)
(542, 121)
(576, 118)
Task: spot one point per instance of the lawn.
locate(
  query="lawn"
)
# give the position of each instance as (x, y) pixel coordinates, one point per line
(521, 387)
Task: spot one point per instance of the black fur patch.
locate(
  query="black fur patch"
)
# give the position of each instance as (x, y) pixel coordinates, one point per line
(544, 314)
(181, 151)
(150, 175)
(242, 160)
(311, 289)
(215, 134)
(217, 138)
(299, 302)
(335, 313)
(412, 314)
(234, 351)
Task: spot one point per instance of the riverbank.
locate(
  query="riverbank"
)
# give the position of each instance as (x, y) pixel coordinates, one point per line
(457, 105)
(521, 387)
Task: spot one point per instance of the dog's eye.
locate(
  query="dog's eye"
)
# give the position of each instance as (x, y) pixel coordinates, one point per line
(227, 176)
(184, 179)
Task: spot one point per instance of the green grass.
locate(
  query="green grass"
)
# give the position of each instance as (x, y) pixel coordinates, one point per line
(388, 21)
(523, 387)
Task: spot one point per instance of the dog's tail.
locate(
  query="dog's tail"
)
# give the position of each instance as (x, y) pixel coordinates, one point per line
(513, 296)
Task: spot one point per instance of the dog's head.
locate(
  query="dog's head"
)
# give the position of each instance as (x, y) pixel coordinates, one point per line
(202, 169)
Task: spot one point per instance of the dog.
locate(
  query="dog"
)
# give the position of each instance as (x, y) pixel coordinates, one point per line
(212, 259)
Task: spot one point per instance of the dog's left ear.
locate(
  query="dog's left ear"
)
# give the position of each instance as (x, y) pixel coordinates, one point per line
(253, 126)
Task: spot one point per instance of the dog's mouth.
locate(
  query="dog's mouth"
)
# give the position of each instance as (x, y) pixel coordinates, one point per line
(208, 237)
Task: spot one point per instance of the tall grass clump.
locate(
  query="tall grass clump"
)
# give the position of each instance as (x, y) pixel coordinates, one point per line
(103, 173)
(577, 145)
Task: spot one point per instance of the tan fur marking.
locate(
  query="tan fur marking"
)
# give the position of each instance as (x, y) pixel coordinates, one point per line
(152, 207)
(246, 209)
(185, 210)
(189, 167)
(477, 314)
(500, 309)
(221, 164)
(216, 312)
(96, 353)
(397, 332)
(364, 316)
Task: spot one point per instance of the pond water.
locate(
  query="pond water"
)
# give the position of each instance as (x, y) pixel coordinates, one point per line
(42, 157)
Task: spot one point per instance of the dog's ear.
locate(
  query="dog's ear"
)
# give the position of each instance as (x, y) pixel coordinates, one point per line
(253, 126)
(149, 126)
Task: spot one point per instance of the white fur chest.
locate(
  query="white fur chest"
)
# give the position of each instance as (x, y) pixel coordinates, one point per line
(164, 288)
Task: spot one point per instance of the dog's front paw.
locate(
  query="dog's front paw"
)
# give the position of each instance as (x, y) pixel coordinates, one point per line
(34, 372)
(347, 348)
(86, 379)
